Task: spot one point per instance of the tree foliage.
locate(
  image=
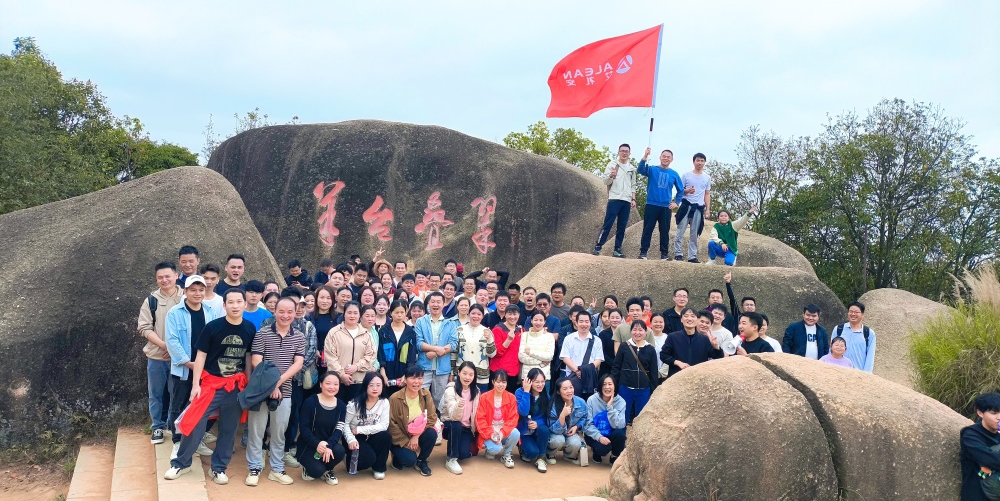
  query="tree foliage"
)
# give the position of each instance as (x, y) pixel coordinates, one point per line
(250, 120)
(567, 145)
(58, 137)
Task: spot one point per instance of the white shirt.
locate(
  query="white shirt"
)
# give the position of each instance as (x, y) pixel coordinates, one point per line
(812, 349)
(574, 348)
(774, 344)
(701, 183)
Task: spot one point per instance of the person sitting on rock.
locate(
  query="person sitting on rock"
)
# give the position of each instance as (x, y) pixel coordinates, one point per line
(980, 451)
(806, 338)
(860, 338)
(836, 356)
(606, 421)
(687, 347)
(722, 239)
(750, 325)
(567, 421)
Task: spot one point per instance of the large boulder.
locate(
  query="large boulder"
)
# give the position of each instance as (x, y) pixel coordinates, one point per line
(756, 250)
(780, 292)
(894, 315)
(778, 426)
(74, 276)
(317, 191)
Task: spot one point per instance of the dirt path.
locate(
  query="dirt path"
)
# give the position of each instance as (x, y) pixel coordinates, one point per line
(32, 483)
(481, 480)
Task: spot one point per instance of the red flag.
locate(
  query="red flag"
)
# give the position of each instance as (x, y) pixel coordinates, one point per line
(614, 72)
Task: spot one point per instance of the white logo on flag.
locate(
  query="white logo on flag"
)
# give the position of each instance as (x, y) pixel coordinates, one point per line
(588, 74)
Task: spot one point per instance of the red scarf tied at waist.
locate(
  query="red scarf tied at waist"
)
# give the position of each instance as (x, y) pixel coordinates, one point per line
(189, 419)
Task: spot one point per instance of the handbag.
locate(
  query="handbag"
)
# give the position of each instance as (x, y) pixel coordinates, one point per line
(309, 378)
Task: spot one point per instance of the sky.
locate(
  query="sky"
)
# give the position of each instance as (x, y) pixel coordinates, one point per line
(481, 67)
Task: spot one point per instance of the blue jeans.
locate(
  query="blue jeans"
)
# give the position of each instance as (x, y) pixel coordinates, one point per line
(535, 442)
(506, 444)
(715, 250)
(617, 210)
(157, 375)
(635, 400)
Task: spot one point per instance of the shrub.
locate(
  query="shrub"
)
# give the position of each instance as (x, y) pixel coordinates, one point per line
(958, 355)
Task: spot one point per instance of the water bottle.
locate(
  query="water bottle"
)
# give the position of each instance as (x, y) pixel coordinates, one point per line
(318, 456)
(353, 468)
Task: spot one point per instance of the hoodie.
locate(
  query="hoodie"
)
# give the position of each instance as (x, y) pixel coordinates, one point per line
(979, 447)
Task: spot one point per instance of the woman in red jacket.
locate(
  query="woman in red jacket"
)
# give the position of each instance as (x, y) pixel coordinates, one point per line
(507, 337)
(496, 420)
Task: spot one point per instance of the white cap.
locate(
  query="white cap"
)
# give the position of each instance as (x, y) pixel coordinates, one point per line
(194, 279)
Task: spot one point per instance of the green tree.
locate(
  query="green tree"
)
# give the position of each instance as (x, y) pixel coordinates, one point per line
(251, 120)
(567, 145)
(58, 137)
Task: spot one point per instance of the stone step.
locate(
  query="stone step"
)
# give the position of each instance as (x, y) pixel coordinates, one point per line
(134, 477)
(92, 474)
(189, 487)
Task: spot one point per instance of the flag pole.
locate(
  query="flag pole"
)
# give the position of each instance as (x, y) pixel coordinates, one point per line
(656, 79)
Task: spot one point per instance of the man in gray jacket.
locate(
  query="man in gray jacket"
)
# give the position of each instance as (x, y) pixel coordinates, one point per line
(621, 199)
(152, 318)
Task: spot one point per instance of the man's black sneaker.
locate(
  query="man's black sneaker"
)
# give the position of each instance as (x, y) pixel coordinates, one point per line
(423, 468)
(678, 258)
(617, 254)
(694, 260)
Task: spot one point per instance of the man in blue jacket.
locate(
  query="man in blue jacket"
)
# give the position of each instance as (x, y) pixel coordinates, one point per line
(659, 201)
(806, 338)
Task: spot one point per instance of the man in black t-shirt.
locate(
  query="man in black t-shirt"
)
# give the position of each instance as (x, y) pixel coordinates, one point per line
(222, 367)
(749, 326)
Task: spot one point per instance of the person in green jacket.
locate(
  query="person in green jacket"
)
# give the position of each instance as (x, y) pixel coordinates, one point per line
(722, 239)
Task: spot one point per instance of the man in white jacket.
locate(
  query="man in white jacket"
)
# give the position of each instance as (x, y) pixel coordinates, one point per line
(621, 199)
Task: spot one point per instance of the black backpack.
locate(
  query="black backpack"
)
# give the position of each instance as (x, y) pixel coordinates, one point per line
(154, 304)
(840, 328)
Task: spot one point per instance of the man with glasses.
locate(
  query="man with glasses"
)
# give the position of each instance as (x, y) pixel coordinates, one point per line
(672, 316)
(860, 338)
(621, 199)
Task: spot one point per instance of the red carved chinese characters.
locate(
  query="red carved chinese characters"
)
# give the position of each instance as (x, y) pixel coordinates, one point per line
(433, 221)
(377, 219)
(328, 200)
(487, 207)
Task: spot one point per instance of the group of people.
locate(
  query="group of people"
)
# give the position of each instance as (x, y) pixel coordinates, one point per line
(374, 365)
(687, 198)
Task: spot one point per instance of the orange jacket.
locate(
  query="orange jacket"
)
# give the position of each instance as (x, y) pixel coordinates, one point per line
(209, 385)
(484, 415)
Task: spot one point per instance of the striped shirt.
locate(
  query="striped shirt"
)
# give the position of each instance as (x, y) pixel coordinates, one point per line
(280, 351)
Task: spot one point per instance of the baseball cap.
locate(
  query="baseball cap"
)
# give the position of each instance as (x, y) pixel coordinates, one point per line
(194, 279)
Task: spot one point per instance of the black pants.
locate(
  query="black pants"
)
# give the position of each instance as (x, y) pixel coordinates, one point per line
(459, 440)
(615, 448)
(180, 393)
(405, 458)
(654, 215)
(617, 210)
(315, 468)
(373, 451)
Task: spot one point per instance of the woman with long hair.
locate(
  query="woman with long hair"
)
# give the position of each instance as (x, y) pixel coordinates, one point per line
(397, 348)
(605, 430)
(567, 420)
(367, 428)
(538, 347)
(532, 407)
(349, 351)
(271, 301)
(412, 417)
(321, 426)
(458, 411)
(324, 317)
(496, 420)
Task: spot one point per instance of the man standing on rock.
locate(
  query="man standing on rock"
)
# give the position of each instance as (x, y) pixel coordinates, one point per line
(235, 266)
(222, 368)
(152, 319)
(621, 199)
(860, 338)
(694, 210)
(660, 201)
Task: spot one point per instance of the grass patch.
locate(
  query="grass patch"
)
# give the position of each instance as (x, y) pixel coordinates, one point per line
(602, 492)
(958, 356)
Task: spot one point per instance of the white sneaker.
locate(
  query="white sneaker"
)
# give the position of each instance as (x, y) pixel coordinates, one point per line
(438, 441)
(252, 478)
(541, 465)
(452, 465)
(280, 477)
(508, 461)
(175, 472)
(173, 452)
(330, 478)
(550, 460)
(574, 460)
(209, 438)
(710, 262)
(305, 476)
(203, 450)
(379, 475)
(220, 477)
(291, 461)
